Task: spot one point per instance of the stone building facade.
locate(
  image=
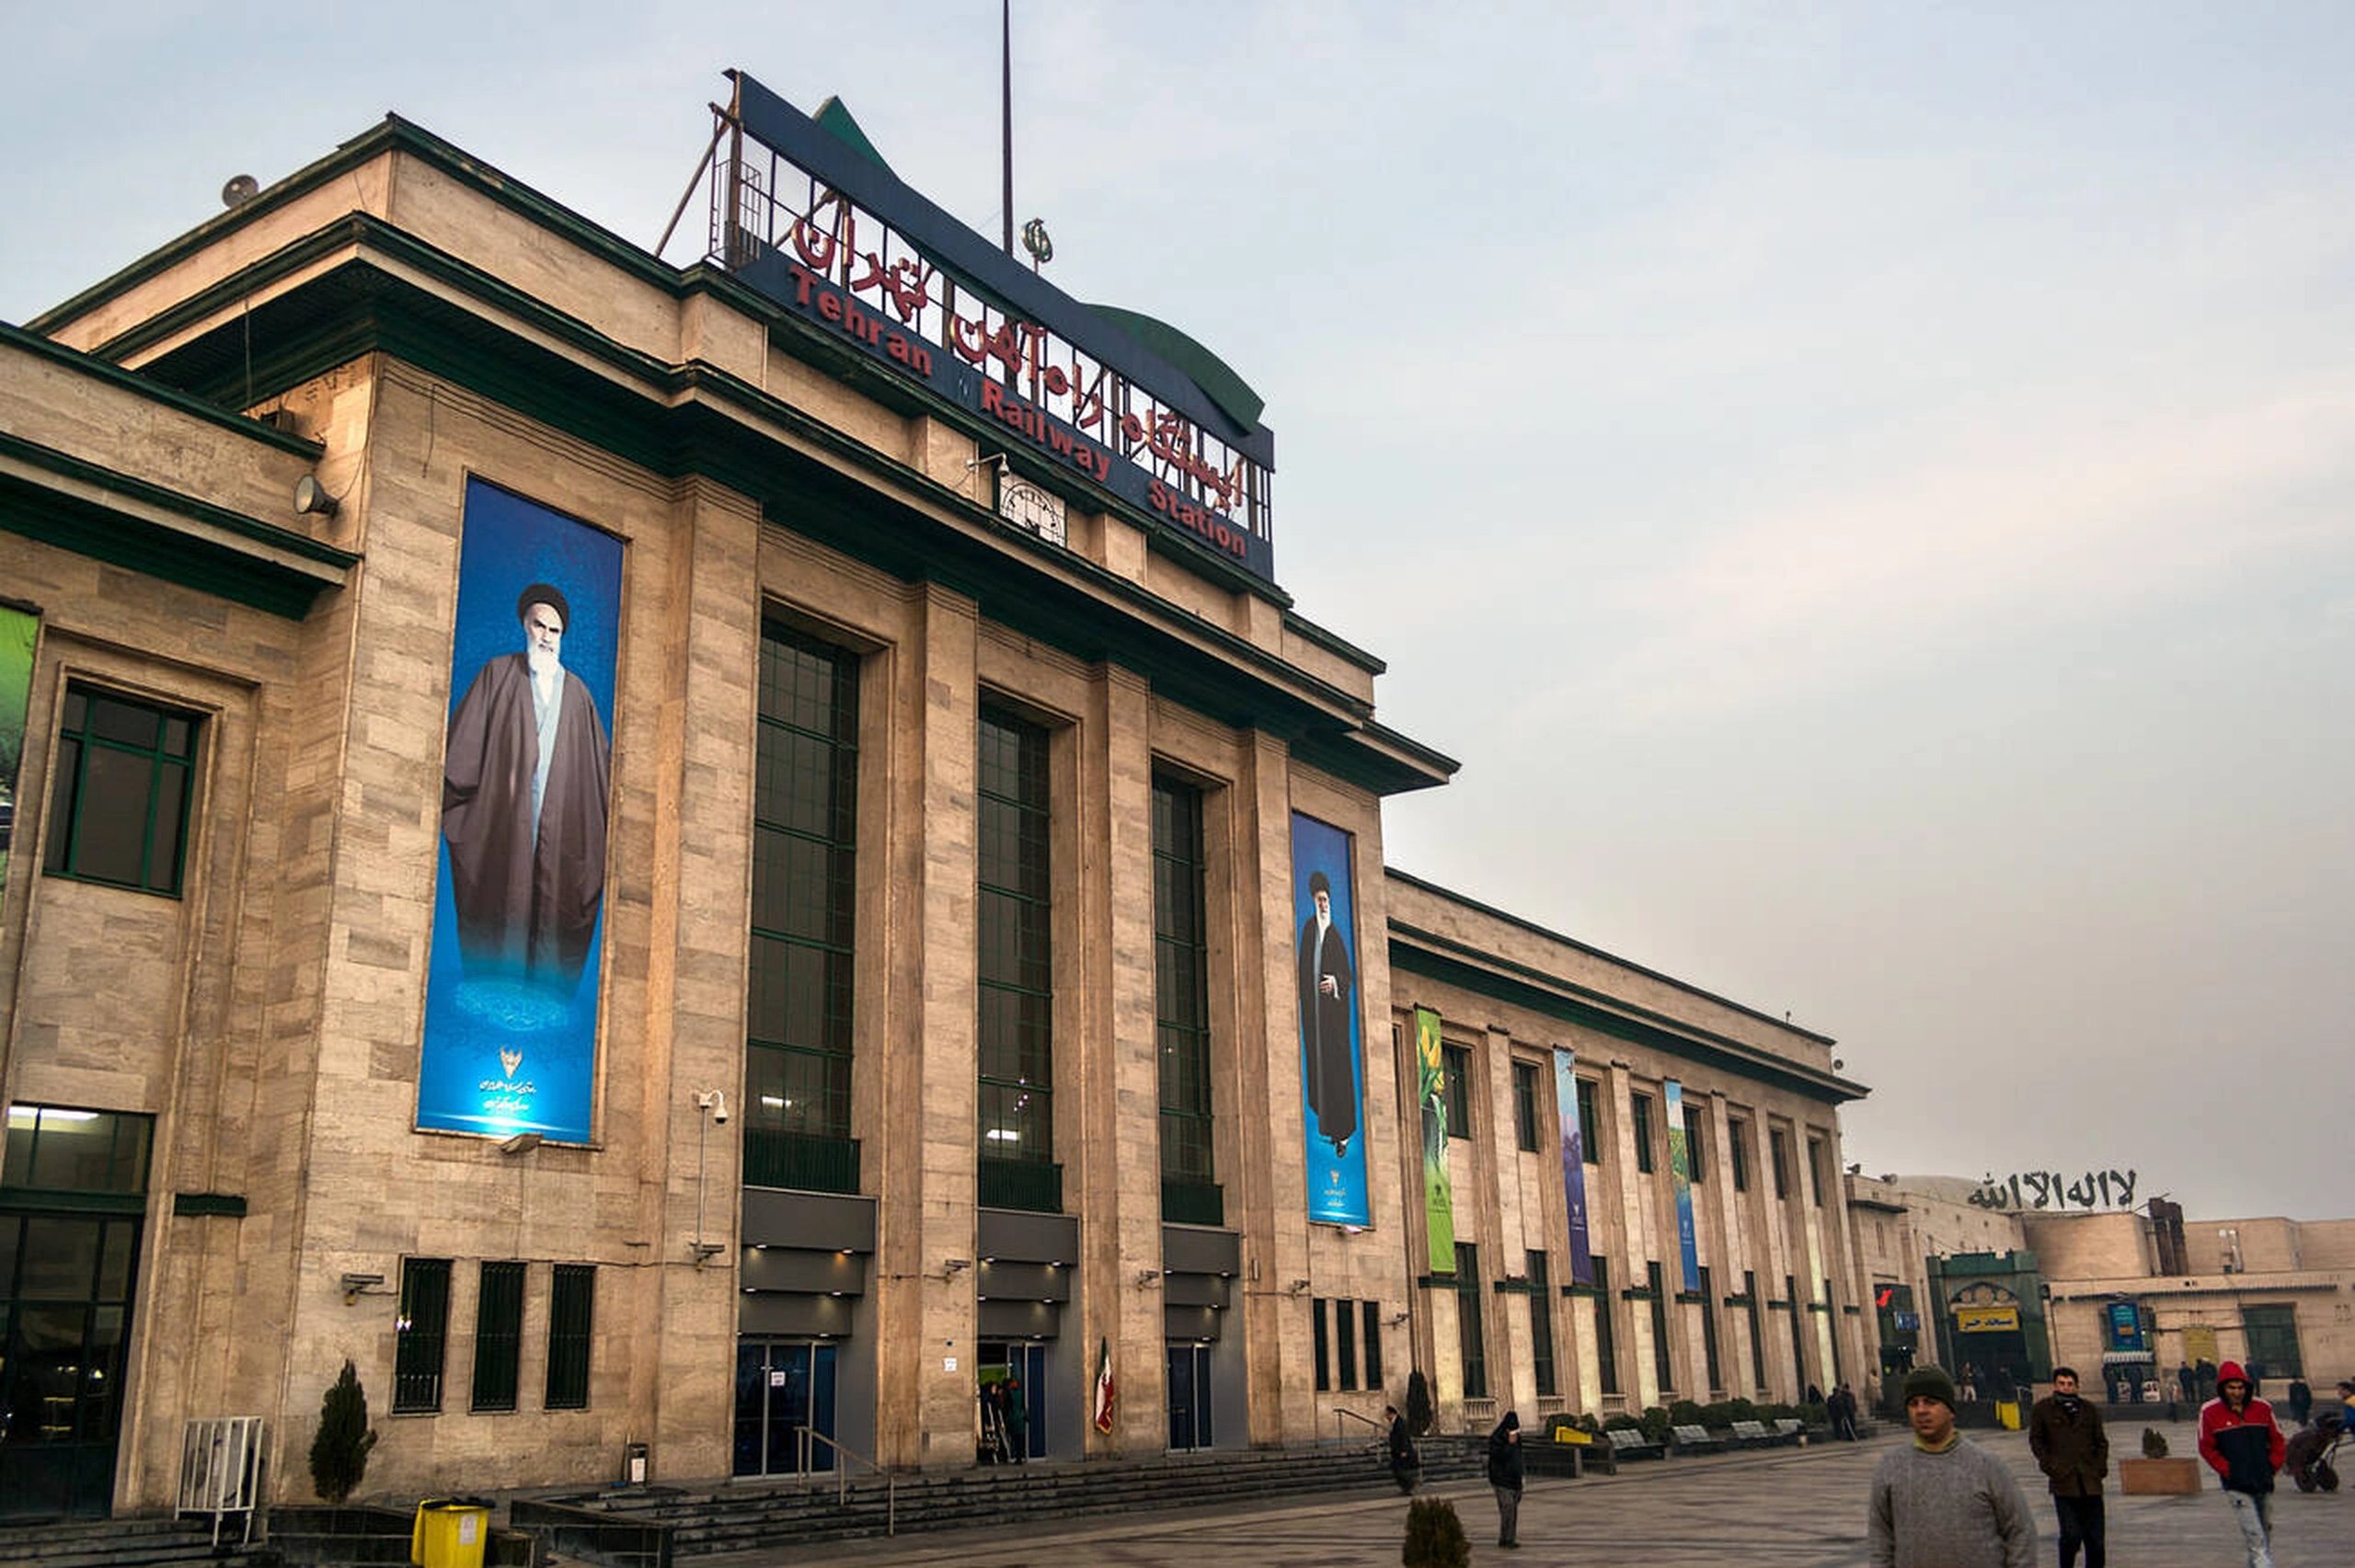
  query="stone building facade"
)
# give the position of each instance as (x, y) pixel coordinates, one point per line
(945, 997)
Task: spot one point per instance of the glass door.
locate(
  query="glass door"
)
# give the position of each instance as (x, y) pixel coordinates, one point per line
(782, 1386)
(1189, 1396)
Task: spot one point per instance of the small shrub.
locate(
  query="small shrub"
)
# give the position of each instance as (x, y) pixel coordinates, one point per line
(340, 1453)
(1684, 1413)
(1816, 1414)
(1623, 1421)
(1655, 1424)
(1434, 1536)
(2154, 1442)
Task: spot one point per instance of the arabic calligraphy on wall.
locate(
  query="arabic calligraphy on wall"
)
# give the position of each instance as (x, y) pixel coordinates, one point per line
(2050, 1189)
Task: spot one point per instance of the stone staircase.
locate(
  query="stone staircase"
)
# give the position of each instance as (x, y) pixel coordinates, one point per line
(124, 1543)
(645, 1525)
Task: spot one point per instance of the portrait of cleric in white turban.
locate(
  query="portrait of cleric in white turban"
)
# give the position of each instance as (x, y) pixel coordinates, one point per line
(526, 790)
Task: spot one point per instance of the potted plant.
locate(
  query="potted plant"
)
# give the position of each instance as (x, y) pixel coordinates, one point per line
(2156, 1474)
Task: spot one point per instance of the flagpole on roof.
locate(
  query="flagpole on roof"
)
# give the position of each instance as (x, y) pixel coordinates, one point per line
(1006, 107)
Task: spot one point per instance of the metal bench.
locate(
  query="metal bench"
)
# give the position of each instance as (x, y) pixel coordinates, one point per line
(1790, 1429)
(1754, 1435)
(1629, 1442)
(1695, 1440)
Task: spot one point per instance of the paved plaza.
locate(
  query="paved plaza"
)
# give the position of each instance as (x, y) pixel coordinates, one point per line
(1781, 1508)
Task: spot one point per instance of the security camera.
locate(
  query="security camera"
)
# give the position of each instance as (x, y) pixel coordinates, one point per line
(715, 1102)
(720, 1114)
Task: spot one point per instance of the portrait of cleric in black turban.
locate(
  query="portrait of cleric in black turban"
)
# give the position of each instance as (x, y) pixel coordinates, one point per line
(523, 801)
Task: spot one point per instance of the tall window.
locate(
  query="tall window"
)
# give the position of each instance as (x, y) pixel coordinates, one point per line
(572, 1307)
(1182, 1006)
(1344, 1339)
(1738, 1146)
(124, 771)
(1709, 1331)
(1831, 1317)
(1778, 1150)
(1541, 1324)
(1757, 1333)
(1641, 1117)
(1663, 1365)
(1693, 1142)
(1607, 1340)
(1455, 1086)
(498, 1336)
(1815, 1170)
(2274, 1341)
(1015, 968)
(1321, 1340)
(1524, 1104)
(1589, 1123)
(1372, 1344)
(1470, 1344)
(1798, 1336)
(420, 1334)
(805, 796)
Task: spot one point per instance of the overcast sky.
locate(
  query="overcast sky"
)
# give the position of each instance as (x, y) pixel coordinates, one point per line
(1864, 489)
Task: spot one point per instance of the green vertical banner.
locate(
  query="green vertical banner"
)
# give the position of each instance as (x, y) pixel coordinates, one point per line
(1439, 1194)
(1680, 1166)
(19, 631)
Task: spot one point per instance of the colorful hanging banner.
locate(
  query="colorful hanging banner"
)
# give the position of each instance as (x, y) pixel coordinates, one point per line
(1565, 1109)
(18, 632)
(1680, 1167)
(1331, 1061)
(1439, 1194)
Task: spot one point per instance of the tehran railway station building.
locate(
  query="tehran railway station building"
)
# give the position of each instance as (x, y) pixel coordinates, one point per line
(671, 859)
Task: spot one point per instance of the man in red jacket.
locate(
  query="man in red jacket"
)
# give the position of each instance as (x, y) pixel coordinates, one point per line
(2241, 1442)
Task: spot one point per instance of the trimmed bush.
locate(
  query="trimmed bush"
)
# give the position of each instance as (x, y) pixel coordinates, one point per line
(1434, 1536)
(1418, 1404)
(2154, 1442)
(1684, 1413)
(1655, 1424)
(339, 1452)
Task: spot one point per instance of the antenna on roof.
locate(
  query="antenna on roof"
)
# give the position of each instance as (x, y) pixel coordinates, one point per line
(1005, 103)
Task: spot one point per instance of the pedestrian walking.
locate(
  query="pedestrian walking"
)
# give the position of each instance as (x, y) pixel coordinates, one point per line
(1942, 1501)
(1018, 1420)
(2065, 1433)
(1405, 1465)
(1505, 1474)
(2243, 1444)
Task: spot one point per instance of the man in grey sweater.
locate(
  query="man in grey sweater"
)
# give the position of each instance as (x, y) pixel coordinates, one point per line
(1941, 1502)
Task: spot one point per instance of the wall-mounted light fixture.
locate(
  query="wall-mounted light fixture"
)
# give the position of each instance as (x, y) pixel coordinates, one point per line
(1146, 1276)
(1397, 1318)
(355, 1286)
(519, 1143)
(951, 1267)
(1298, 1285)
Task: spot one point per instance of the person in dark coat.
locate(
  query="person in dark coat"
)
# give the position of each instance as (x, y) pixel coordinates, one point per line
(2065, 1433)
(1017, 1419)
(2186, 1384)
(2301, 1400)
(1404, 1465)
(1505, 1474)
(1327, 992)
(524, 807)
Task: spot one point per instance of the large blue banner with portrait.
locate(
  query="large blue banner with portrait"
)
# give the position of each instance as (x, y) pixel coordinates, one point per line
(1332, 1062)
(510, 991)
(1680, 1171)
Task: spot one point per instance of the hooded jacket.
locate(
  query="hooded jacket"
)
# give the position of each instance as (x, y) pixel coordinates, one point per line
(2244, 1447)
(1504, 1453)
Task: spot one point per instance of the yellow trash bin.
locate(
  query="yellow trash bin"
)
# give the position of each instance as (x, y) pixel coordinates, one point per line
(450, 1532)
(2007, 1413)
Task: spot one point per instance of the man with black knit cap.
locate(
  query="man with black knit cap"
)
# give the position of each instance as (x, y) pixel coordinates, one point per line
(2244, 1446)
(1942, 1501)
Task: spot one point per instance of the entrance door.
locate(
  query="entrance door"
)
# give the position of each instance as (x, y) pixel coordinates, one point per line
(1189, 1396)
(782, 1386)
(1026, 1362)
(65, 1283)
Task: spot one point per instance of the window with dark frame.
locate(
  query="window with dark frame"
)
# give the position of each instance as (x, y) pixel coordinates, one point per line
(1833, 1308)
(1663, 1363)
(1345, 1340)
(1525, 1104)
(1606, 1338)
(1799, 1337)
(1471, 1342)
(1589, 1123)
(1815, 1171)
(1015, 978)
(1320, 1344)
(499, 1337)
(1372, 1311)
(1738, 1146)
(126, 773)
(1455, 1086)
(1640, 1116)
(1778, 1150)
(1693, 1142)
(1709, 1331)
(2274, 1340)
(805, 850)
(572, 1308)
(1541, 1326)
(1757, 1331)
(1182, 1000)
(421, 1336)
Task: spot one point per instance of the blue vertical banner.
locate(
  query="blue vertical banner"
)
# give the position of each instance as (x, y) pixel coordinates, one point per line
(1332, 1060)
(1565, 1114)
(511, 987)
(1680, 1169)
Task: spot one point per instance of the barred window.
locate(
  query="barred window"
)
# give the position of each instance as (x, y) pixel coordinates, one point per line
(573, 1303)
(498, 1336)
(421, 1336)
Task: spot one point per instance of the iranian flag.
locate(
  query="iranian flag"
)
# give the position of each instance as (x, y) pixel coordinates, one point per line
(1104, 1385)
